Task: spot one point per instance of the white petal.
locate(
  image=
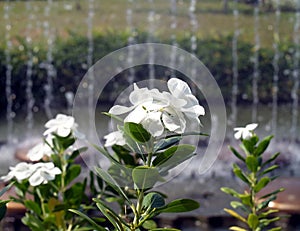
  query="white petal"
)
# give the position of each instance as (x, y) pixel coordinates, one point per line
(153, 124)
(238, 134)
(63, 131)
(36, 153)
(119, 110)
(178, 87)
(36, 179)
(137, 115)
(251, 127)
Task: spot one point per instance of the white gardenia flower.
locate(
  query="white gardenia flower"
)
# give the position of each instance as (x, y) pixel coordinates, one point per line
(43, 172)
(62, 125)
(158, 111)
(245, 132)
(42, 149)
(21, 172)
(39, 173)
(113, 138)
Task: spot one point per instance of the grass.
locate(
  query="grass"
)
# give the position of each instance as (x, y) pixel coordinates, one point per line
(71, 16)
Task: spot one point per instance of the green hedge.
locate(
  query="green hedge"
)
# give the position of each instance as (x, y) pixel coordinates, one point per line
(216, 53)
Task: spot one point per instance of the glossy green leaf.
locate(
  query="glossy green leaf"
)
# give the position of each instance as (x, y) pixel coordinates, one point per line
(253, 221)
(272, 158)
(153, 200)
(272, 193)
(145, 177)
(31, 205)
(72, 172)
(6, 188)
(2, 210)
(261, 184)
(236, 228)
(149, 225)
(237, 154)
(252, 163)
(238, 172)
(265, 203)
(248, 146)
(262, 146)
(178, 154)
(230, 191)
(275, 229)
(109, 180)
(246, 199)
(166, 143)
(239, 205)
(235, 214)
(87, 218)
(179, 206)
(270, 169)
(137, 132)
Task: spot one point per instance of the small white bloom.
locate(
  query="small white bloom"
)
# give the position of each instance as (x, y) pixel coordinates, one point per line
(113, 138)
(159, 111)
(39, 173)
(245, 132)
(40, 150)
(62, 125)
(21, 172)
(43, 172)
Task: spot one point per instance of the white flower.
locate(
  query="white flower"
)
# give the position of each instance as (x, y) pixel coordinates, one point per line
(21, 172)
(158, 111)
(43, 172)
(62, 125)
(245, 132)
(114, 138)
(42, 149)
(39, 173)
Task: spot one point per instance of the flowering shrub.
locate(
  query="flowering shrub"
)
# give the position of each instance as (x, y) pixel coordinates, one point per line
(47, 188)
(145, 147)
(250, 208)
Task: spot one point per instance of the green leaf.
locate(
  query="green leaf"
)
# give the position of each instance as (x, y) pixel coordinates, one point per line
(252, 163)
(237, 205)
(145, 177)
(238, 172)
(115, 220)
(87, 218)
(33, 206)
(109, 180)
(2, 210)
(275, 229)
(246, 199)
(153, 200)
(149, 225)
(265, 203)
(137, 132)
(230, 191)
(72, 172)
(270, 169)
(272, 158)
(6, 188)
(178, 154)
(248, 146)
(235, 214)
(262, 146)
(272, 193)
(236, 228)
(124, 155)
(261, 184)
(166, 143)
(237, 154)
(266, 221)
(179, 206)
(117, 118)
(253, 221)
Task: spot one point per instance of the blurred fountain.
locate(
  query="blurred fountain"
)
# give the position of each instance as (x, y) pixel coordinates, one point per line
(131, 41)
(90, 64)
(8, 88)
(256, 72)
(296, 66)
(29, 95)
(194, 28)
(234, 91)
(276, 69)
(70, 98)
(48, 64)
(151, 30)
(173, 26)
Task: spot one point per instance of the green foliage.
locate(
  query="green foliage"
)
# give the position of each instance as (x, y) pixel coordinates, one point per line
(131, 177)
(4, 202)
(251, 209)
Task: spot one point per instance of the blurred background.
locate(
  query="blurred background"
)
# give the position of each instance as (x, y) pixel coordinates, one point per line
(251, 47)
